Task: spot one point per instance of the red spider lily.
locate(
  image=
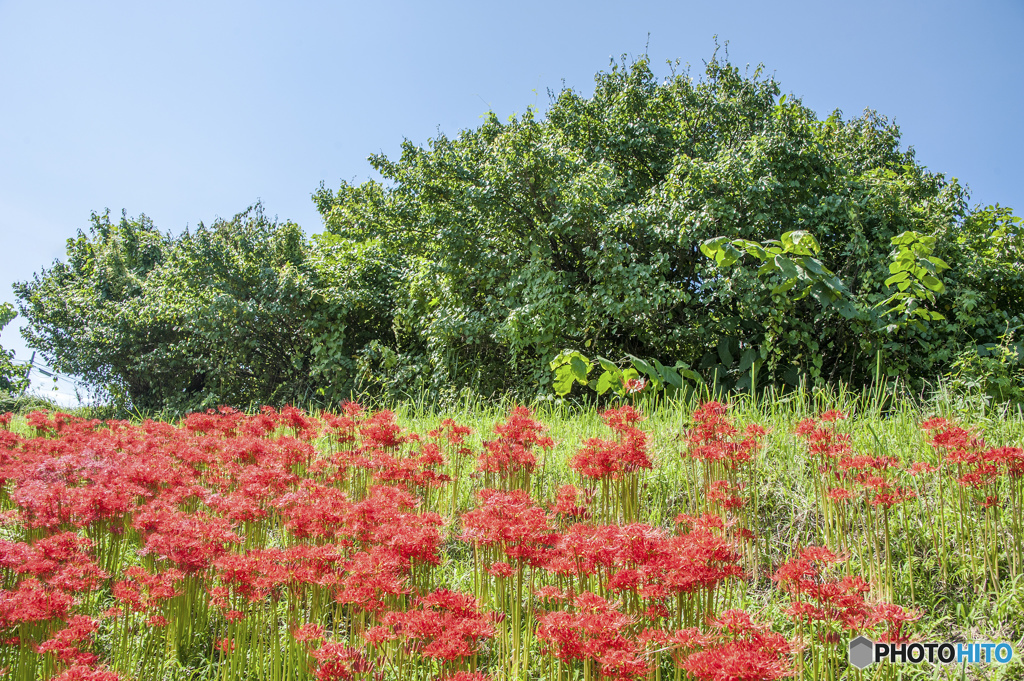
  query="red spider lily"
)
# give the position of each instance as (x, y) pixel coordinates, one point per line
(888, 495)
(823, 439)
(305, 428)
(506, 458)
(595, 631)
(521, 428)
(756, 431)
(512, 452)
(622, 664)
(385, 518)
(314, 511)
(1010, 458)
(839, 494)
(467, 676)
(501, 569)
(839, 601)
(80, 672)
(380, 431)
(646, 561)
(511, 521)
(60, 561)
(379, 635)
(143, 592)
(69, 482)
(805, 567)
(608, 459)
(338, 662)
(635, 385)
(451, 431)
(550, 594)
(920, 467)
(267, 573)
(415, 471)
(566, 504)
(895, 618)
(653, 638)
(351, 527)
(622, 419)
(714, 437)
(343, 428)
(583, 548)
(308, 632)
(444, 625)
(33, 602)
(352, 409)
(66, 644)
(371, 577)
(726, 494)
(612, 459)
(700, 559)
(735, 648)
(936, 423)
(960, 446)
(597, 459)
(225, 645)
(982, 476)
(191, 541)
(260, 425)
(710, 423)
(255, 575)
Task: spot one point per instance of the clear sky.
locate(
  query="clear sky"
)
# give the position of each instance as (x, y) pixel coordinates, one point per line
(187, 111)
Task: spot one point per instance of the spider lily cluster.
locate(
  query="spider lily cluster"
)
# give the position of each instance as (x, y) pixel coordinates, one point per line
(281, 546)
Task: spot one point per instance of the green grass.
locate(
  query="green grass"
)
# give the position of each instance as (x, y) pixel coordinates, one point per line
(943, 585)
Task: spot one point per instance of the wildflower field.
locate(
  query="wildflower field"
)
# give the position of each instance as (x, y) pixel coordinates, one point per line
(683, 540)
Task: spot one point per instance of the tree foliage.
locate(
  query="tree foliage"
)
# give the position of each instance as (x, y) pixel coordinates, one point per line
(587, 230)
(709, 225)
(13, 378)
(232, 313)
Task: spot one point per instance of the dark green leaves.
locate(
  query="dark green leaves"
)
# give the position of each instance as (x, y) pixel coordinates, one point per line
(13, 378)
(571, 367)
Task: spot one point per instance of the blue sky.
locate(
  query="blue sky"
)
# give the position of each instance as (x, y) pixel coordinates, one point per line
(188, 111)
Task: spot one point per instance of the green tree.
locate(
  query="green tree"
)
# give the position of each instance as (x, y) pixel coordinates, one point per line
(583, 229)
(13, 378)
(707, 226)
(165, 323)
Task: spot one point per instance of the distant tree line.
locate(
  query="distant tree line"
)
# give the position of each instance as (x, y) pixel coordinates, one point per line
(480, 257)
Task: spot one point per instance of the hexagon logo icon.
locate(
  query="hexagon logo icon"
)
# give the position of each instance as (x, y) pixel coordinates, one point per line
(861, 652)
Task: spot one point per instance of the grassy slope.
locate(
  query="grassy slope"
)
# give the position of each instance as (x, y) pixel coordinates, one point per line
(787, 512)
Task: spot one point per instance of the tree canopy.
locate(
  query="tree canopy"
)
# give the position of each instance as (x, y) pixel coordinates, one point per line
(637, 221)
(13, 377)
(584, 230)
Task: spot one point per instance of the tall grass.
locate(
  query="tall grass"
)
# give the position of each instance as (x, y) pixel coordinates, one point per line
(950, 552)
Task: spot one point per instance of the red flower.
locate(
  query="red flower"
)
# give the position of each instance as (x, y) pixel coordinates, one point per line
(308, 632)
(737, 648)
(513, 450)
(338, 662)
(512, 521)
(80, 672)
(446, 624)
